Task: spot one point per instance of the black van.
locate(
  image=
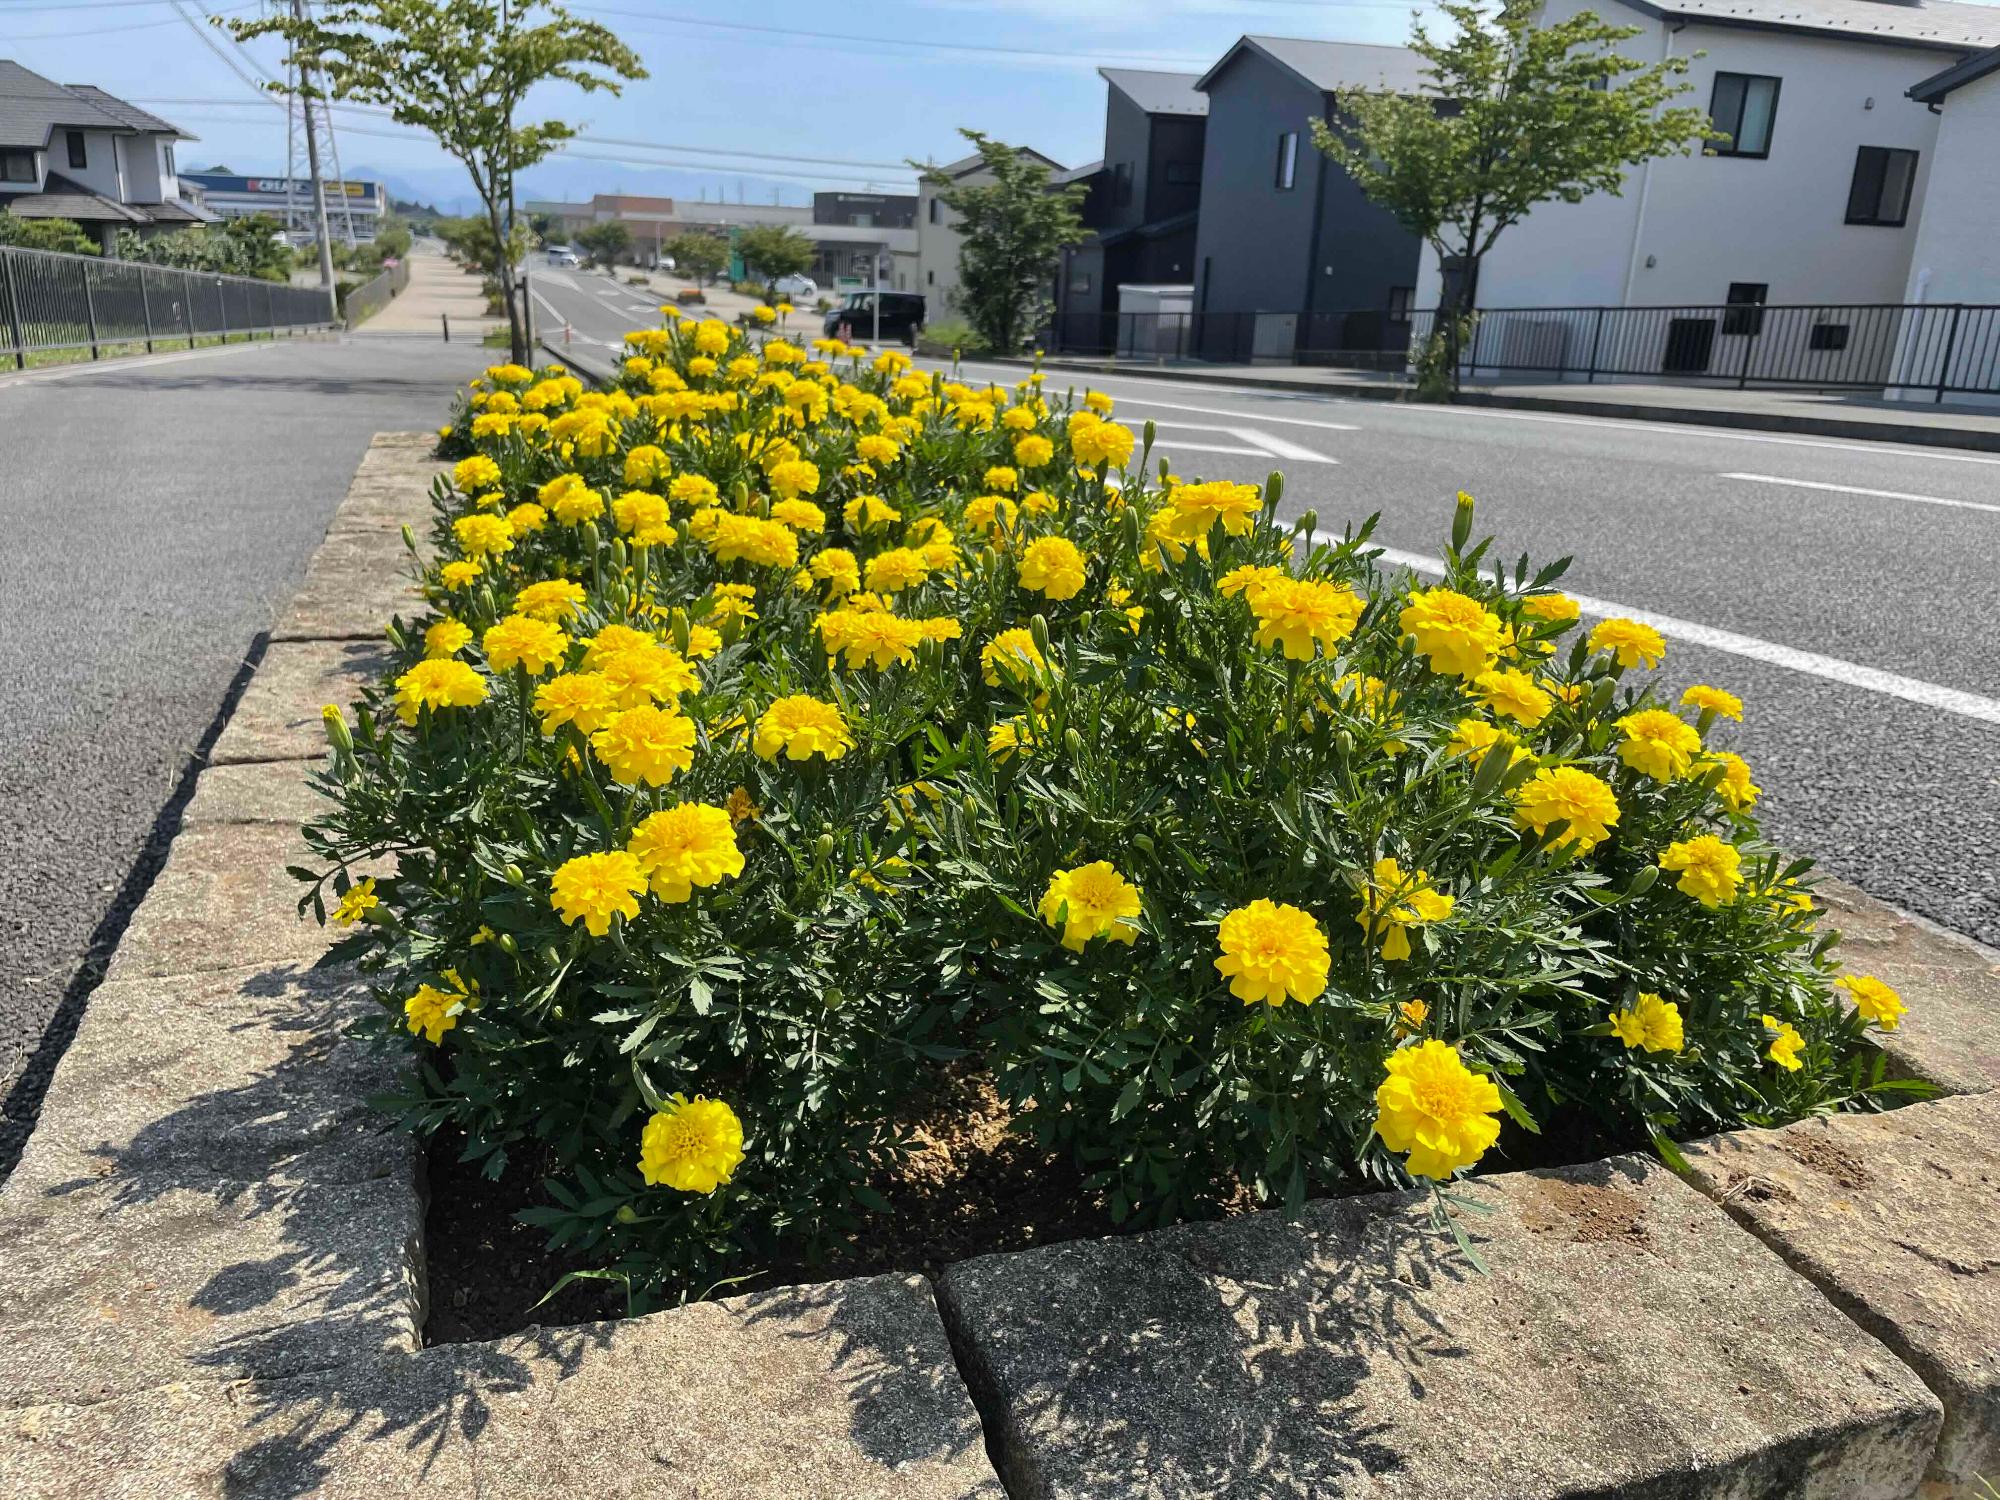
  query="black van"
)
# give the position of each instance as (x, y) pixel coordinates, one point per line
(902, 316)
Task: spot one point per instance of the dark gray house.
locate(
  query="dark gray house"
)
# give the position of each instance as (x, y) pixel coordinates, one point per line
(1290, 258)
(1143, 201)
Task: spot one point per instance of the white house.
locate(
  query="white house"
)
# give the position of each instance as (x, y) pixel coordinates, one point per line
(1818, 197)
(936, 270)
(71, 151)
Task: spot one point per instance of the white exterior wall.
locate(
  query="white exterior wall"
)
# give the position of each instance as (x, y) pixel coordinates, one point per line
(1957, 252)
(937, 249)
(102, 174)
(1708, 221)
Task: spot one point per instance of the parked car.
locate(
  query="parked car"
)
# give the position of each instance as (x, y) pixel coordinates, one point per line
(796, 288)
(562, 255)
(902, 316)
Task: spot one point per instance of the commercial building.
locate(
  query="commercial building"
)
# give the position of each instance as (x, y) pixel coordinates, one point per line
(354, 210)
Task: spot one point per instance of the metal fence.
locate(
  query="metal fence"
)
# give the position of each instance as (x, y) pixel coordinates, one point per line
(52, 301)
(1936, 349)
(370, 297)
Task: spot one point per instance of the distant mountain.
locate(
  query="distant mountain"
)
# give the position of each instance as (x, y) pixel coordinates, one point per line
(570, 179)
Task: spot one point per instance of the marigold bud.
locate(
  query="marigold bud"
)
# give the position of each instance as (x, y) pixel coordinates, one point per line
(336, 729)
(514, 875)
(823, 846)
(1038, 630)
(626, 1214)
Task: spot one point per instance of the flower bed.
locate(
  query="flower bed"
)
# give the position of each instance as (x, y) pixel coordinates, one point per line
(790, 725)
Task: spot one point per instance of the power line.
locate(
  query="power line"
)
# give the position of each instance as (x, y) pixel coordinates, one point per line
(120, 29)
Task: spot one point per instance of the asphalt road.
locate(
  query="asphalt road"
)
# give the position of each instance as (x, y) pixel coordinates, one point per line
(1871, 621)
(158, 516)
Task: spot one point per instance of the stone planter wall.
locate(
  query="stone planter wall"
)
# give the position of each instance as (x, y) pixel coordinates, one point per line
(211, 1262)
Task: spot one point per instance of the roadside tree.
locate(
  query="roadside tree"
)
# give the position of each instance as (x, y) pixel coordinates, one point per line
(459, 69)
(772, 251)
(1013, 230)
(606, 241)
(1514, 114)
(699, 256)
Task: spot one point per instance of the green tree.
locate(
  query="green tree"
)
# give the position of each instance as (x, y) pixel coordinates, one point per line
(772, 251)
(1514, 115)
(1012, 232)
(46, 234)
(606, 241)
(472, 241)
(701, 256)
(459, 69)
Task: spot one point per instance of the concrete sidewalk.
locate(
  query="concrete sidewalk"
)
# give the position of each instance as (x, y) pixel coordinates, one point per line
(439, 289)
(1820, 413)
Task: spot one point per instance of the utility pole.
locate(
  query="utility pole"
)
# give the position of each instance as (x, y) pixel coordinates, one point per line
(312, 165)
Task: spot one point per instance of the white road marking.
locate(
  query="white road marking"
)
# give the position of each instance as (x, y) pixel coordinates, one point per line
(1213, 448)
(1855, 489)
(553, 278)
(1832, 668)
(125, 362)
(1264, 444)
(1255, 416)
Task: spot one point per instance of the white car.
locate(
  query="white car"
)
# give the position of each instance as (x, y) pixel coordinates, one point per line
(560, 256)
(796, 287)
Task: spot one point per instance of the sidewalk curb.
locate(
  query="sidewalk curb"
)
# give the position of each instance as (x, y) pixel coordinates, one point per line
(1834, 427)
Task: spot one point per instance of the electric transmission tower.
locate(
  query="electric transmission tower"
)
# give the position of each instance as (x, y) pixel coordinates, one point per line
(308, 122)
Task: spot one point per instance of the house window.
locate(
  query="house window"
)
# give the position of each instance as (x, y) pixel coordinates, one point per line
(79, 154)
(1288, 161)
(1743, 107)
(1079, 283)
(1121, 183)
(1883, 177)
(930, 278)
(934, 212)
(1400, 299)
(1746, 308)
(17, 166)
(1183, 173)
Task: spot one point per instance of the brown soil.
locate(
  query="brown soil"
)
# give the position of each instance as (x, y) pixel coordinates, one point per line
(1829, 1160)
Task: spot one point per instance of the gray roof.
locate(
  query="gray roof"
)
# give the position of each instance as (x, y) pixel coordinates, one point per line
(975, 161)
(1329, 66)
(31, 106)
(1942, 24)
(1158, 93)
(1957, 76)
(1077, 174)
(62, 198)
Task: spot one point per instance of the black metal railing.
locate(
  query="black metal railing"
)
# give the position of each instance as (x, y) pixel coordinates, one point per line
(1936, 349)
(51, 301)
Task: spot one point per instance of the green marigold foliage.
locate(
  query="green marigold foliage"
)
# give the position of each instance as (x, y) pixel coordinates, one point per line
(1521, 882)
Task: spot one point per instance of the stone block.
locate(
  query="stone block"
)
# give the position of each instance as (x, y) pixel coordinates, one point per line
(223, 901)
(278, 717)
(1629, 1341)
(226, 1076)
(354, 586)
(1950, 983)
(840, 1392)
(277, 791)
(1896, 1217)
(178, 1275)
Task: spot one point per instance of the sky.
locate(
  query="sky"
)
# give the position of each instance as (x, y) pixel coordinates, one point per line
(862, 87)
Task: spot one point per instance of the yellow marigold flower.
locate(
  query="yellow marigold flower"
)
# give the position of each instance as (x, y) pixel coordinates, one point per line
(555, 600)
(1032, 451)
(1299, 613)
(1710, 869)
(1630, 642)
(585, 699)
(611, 640)
(533, 645)
(459, 574)
(802, 727)
(694, 490)
(990, 513)
(1564, 794)
(1713, 700)
(876, 449)
(1737, 791)
(1098, 402)
(1053, 566)
(509, 374)
(837, 569)
(866, 512)
(1410, 1017)
(896, 569)
(692, 1145)
(1102, 443)
(1090, 901)
(1650, 1022)
(1247, 580)
(767, 544)
(644, 674)
(869, 637)
(682, 847)
(1013, 652)
(1435, 1108)
(527, 518)
(1195, 508)
(800, 515)
(711, 336)
(431, 1012)
(763, 314)
(701, 366)
(1658, 744)
(740, 806)
(483, 535)
(1273, 953)
(1458, 635)
(435, 684)
(360, 899)
(642, 516)
(645, 746)
(478, 472)
(1876, 1001)
(576, 504)
(1017, 418)
(1001, 478)
(1474, 737)
(1555, 608)
(1513, 694)
(447, 637)
(1786, 1043)
(1039, 503)
(646, 467)
(1394, 902)
(793, 478)
(1008, 736)
(594, 888)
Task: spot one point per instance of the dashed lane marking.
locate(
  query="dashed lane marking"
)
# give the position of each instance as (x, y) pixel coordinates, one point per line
(1855, 489)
